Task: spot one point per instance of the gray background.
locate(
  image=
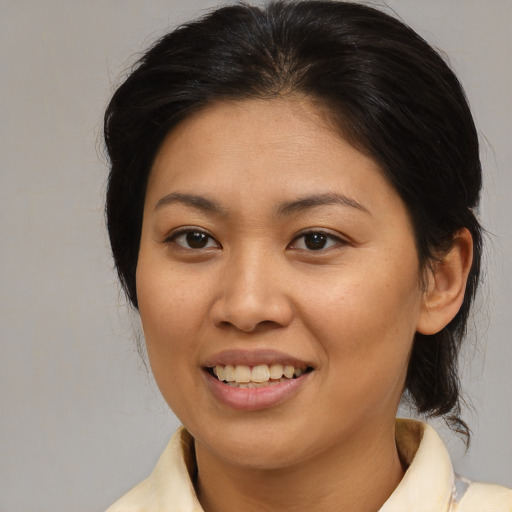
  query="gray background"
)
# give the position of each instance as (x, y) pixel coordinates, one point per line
(81, 419)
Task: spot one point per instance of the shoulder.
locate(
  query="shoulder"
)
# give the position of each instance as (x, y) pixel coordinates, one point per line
(481, 497)
(170, 486)
(136, 500)
(429, 482)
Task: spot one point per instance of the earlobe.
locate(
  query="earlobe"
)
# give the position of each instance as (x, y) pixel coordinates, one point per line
(446, 285)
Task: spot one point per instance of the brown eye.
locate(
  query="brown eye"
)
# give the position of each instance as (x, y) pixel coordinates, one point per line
(194, 239)
(315, 241)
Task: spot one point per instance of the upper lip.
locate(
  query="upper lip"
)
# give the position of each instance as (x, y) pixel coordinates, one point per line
(253, 358)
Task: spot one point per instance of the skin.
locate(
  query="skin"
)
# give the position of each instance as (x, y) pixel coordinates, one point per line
(350, 309)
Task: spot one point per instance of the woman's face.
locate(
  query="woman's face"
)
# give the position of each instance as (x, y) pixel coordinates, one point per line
(270, 246)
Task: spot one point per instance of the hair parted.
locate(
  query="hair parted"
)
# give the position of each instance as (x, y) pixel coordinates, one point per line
(392, 96)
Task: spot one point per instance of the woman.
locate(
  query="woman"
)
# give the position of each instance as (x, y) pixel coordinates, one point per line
(290, 208)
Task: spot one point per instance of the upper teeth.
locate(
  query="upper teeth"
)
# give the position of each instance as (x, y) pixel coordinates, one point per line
(260, 373)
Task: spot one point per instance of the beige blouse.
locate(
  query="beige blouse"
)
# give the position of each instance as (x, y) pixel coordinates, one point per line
(429, 484)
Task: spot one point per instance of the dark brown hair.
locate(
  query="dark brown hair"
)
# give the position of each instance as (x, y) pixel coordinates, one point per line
(391, 94)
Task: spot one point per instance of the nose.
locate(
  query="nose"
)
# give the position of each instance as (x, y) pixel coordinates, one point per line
(252, 295)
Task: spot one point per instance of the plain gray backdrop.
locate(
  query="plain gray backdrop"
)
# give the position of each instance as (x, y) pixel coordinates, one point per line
(81, 420)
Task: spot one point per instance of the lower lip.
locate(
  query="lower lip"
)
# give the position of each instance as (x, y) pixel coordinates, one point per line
(254, 399)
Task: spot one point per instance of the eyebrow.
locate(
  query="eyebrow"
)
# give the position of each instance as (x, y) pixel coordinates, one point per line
(305, 203)
(199, 202)
(285, 209)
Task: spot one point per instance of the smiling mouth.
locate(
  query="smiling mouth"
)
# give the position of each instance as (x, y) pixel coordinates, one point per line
(243, 376)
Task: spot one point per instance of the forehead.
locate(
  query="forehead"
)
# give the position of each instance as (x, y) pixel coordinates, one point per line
(279, 125)
(269, 150)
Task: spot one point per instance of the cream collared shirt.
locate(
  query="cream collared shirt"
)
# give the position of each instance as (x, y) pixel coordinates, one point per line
(429, 484)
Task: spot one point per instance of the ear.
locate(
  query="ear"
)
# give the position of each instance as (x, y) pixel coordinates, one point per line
(446, 285)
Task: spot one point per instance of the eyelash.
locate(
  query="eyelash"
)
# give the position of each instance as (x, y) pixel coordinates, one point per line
(188, 231)
(337, 241)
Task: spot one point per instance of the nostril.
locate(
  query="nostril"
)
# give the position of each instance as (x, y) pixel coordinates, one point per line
(250, 328)
(248, 311)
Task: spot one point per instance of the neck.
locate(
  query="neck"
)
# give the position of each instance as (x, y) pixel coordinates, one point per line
(358, 474)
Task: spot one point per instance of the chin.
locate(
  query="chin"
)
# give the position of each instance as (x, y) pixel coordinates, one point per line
(260, 447)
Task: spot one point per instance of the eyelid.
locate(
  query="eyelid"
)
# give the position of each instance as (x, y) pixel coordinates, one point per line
(340, 240)
(183, 230)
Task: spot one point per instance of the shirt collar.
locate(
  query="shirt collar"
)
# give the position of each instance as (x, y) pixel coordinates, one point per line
(427, 485)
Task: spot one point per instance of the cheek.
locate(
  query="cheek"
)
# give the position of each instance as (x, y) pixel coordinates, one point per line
(366, 354)
(171, 310)
(168, 298)
(366, 325)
